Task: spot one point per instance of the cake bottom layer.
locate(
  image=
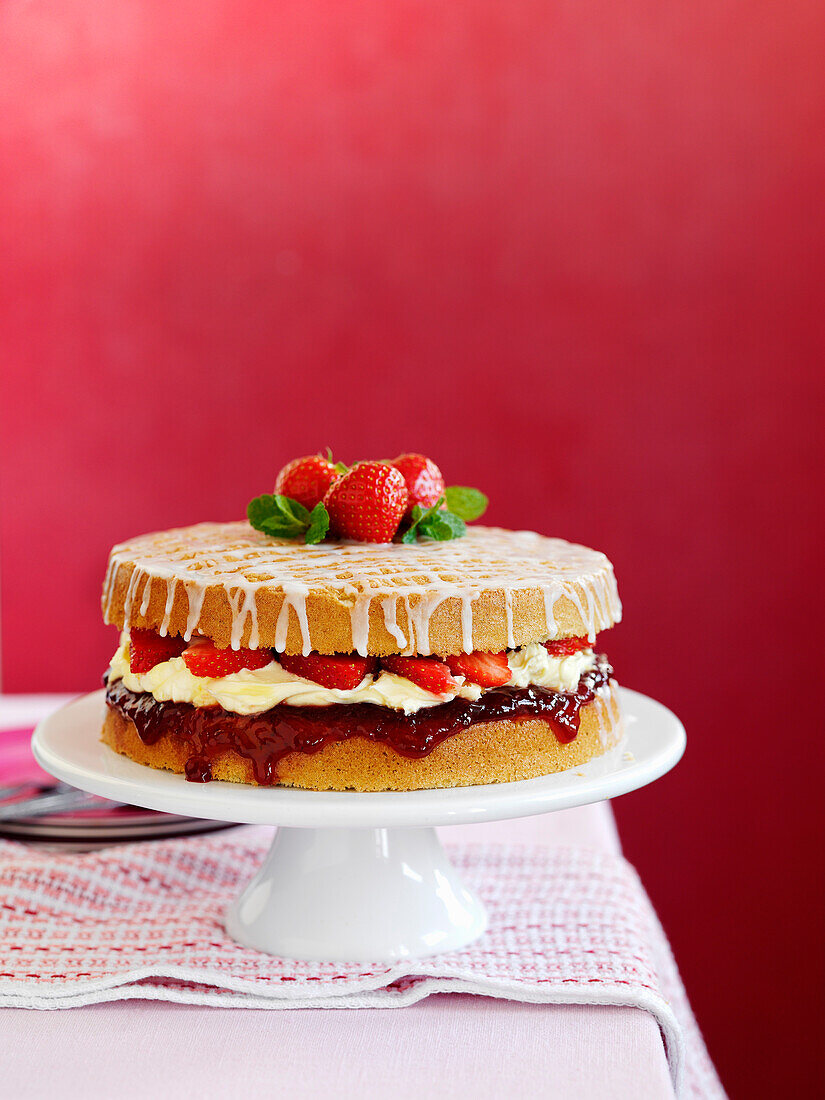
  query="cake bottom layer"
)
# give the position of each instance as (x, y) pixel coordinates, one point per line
(486, 752)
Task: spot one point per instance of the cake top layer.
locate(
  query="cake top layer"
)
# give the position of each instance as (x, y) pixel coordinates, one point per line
(491, 590)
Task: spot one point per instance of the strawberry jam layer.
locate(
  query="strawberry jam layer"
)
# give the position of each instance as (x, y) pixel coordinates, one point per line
(265, 738)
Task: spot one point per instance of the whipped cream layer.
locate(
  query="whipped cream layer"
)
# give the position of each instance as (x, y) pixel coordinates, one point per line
(532, 664)
(251, 691)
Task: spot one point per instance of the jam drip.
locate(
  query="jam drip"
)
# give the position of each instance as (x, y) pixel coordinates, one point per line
(265, 738)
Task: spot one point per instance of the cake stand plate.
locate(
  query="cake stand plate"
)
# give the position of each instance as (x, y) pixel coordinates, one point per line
(355, 876)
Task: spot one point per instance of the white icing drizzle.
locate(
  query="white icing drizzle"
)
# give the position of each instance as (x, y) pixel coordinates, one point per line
(550, 594)
(108, 585)
(586, 616)
(196, 595)
(388, 608)
(131, 591)
(282, 626)
(419, 577)
(508, 611)
(467, 620)
(147, 595)
(360, 623)
(167, 610)
(419, 615)
(297, 595)
(598, 605)
(603, 713)
(243, 601)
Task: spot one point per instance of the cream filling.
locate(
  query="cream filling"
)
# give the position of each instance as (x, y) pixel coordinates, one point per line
(250, 691)
(532, 664)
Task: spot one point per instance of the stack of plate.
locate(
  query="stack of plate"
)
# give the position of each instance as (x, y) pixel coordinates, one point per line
(91, 823)
(108, 823)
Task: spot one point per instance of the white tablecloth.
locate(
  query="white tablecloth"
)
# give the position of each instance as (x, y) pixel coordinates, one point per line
(448, 1046)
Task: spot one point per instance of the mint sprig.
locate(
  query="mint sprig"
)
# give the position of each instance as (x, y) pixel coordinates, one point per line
(284, 518)
(446, 525)
(465, 502)
(445, 520)
(434, 523)
(318, 524)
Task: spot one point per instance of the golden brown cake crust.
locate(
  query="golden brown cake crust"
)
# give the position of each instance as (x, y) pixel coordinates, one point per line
(490, 590)
(492, 752)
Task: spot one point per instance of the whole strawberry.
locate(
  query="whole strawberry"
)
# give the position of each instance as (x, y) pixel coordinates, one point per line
(306, 479)
(367, 503)
(423, 479)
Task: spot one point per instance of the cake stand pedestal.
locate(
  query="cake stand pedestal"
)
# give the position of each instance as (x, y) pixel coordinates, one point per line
(355, 876)
(346, 894)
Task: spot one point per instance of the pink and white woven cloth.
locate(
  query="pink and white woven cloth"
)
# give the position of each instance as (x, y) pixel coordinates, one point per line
(568, 926)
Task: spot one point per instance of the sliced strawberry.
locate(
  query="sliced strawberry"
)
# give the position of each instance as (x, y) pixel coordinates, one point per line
(343, 671)
(368, 502)
(430, 673)
(147, 649)
(485, 669)
(566, 647)
(306, 479)
(203, 658)
(425, 485)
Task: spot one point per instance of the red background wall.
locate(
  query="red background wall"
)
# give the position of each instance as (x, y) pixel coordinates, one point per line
(573, 251)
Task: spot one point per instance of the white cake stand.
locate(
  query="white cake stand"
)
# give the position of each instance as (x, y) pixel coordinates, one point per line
(355, 876)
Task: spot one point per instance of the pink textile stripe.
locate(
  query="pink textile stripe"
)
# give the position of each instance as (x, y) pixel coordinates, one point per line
(568, 925)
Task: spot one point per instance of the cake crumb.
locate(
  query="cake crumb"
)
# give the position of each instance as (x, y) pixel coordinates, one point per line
(631, 759)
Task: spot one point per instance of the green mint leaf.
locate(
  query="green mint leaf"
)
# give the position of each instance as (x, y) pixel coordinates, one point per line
(411, 534)
(444, 526)
(290, 509)
(466, 503)
(455, 522)
(318, 524)
(425, 516)
(260, 509)
(436, 523)
(420, 517)
(278, 516)
(280, 528)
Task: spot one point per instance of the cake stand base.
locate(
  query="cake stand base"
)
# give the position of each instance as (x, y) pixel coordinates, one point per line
(355, 876)
(344, 894)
